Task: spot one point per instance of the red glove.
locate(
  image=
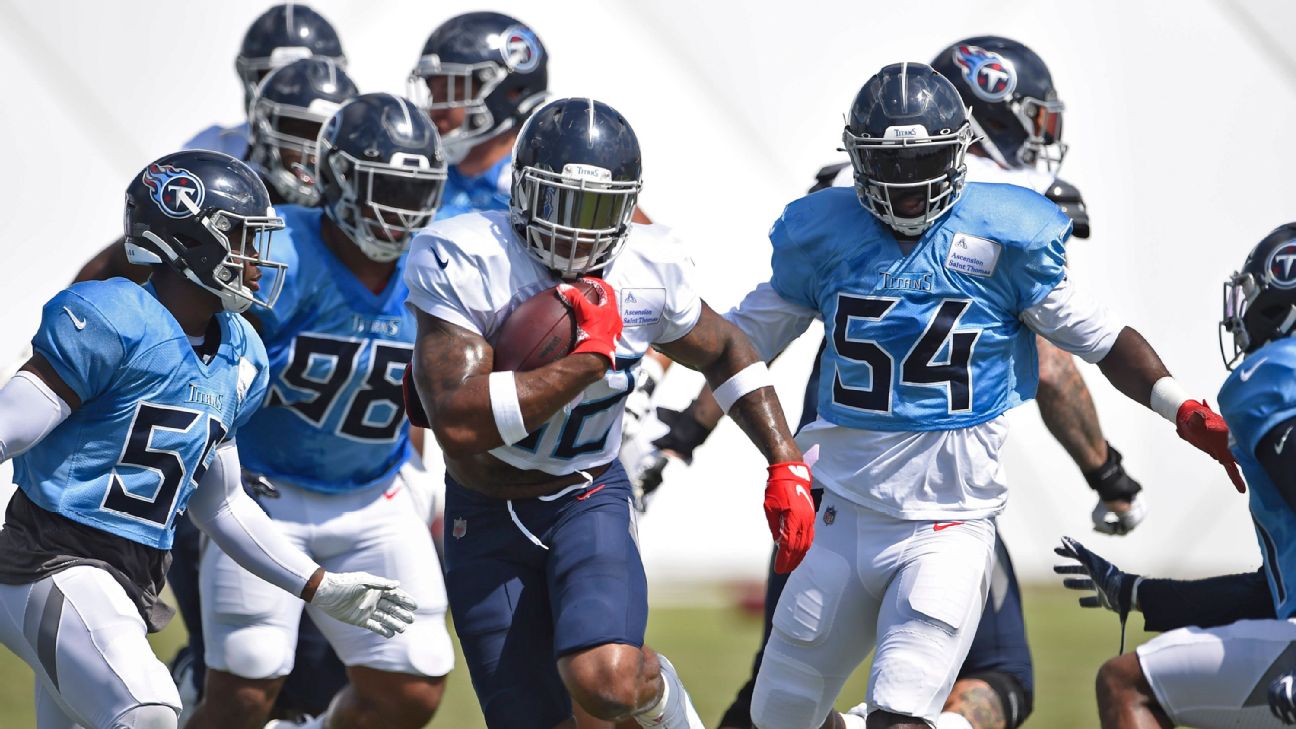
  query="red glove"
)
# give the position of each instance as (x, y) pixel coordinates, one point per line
(1208, 432)
(598, 324)
(413, 406)
(790, 511)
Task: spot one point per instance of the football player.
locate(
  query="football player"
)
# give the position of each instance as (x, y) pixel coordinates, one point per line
(288, 108)
(543, 570)
(932, 291)
(1219, 674)
(279, 36)
(126, 415)
(328, 447)
(1016, 115)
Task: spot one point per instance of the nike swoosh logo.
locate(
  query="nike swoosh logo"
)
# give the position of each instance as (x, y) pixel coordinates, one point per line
(391, 493)
(439, 261)
(1246, 374)
(802, 492)
(78, 323)
(1279, 445)
(944, 525)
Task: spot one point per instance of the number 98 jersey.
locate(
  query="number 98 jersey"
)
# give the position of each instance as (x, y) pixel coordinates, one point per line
(930, 340)
(334, 420)
(127, 460)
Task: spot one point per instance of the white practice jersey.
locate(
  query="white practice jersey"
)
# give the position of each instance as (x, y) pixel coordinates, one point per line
(979, 169)
(472, 270)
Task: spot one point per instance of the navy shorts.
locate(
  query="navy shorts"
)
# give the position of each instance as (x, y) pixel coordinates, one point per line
(518, 606)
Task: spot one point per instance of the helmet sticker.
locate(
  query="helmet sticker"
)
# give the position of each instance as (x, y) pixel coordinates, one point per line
(1281, 266)
(177, 192)
(521, 49)
(991, 76)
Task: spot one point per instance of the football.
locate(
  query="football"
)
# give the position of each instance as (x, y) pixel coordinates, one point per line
(540, 330)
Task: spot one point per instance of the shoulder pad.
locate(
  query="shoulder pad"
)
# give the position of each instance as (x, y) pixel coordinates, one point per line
(1068, 198)
(827, 175)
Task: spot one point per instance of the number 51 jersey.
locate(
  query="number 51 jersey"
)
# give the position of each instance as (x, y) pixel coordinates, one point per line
(334, 420)
(931, 339)
(127, 460)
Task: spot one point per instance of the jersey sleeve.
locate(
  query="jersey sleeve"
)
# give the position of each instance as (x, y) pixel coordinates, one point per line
(80, 343)
(1075, 322)
(794, 275)
(683, 304)
(1260, 394)
(431, 273)
(770, 321)
(1041, 261)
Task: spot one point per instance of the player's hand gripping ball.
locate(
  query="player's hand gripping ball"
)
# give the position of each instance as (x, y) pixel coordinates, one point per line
(581, 316)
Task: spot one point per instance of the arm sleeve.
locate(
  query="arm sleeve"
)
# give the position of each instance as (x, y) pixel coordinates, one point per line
(29, 410)
(232, 519)
(770, 321)
(1075, 322)
(79, 342)
(1278, 458)
(1208, 603)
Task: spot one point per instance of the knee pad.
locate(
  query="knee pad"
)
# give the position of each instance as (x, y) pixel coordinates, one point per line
(148, 716)
(252, 652)
(1016, 699)
(788, 695)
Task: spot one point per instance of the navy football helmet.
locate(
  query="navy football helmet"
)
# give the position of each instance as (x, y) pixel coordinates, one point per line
(206, 215)
(907, 135)
(1260, 299)
(577, 172)
(492, 65)
(1015, 108)
(381, 172)
(282, 34)
(289, 109)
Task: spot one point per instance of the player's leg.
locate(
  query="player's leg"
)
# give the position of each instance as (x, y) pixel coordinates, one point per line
(317, 675)
(495, 582)
(825, 622)
(250, 630)
(86, 642)
(1208, 678)
(187, 666)
(928, 618)
(397, 682)
(996, 686)
(599, 599)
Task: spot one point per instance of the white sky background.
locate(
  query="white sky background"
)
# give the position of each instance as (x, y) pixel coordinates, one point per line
(1178, 116)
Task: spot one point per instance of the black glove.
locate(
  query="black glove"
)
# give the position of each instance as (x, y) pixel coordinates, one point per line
(684, 436)
(1281, 701)
(1113, 588)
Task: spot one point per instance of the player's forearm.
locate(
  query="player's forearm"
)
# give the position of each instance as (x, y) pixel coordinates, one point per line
(1067, 408)
(467, 420)
(1207, 603)
(758, 413)
(1133, 367)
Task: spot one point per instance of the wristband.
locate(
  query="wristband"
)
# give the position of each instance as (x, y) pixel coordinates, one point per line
(1167, 396)
(752, 377)
(505, 407)
(1110, 480)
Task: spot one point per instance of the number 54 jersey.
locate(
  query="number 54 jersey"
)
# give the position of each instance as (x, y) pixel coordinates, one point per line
(333, 420)
(152, 410)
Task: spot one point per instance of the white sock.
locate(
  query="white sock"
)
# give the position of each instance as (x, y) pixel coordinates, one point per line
(950, 720)
(852, 720)
(673, 709)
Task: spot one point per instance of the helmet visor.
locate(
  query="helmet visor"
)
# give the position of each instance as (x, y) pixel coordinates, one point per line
(395, 201)
(574, 224)
(906, 164)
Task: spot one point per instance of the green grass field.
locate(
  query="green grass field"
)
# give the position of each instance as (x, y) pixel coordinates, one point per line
(712, 648)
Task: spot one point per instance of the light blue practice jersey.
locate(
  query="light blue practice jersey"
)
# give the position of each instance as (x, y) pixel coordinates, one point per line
(479, 193)
(931, 340)
(230, 140)
(1259, 395)
(334, 420)
(127, 460)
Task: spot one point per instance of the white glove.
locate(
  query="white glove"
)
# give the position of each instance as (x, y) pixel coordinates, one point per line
(1106, 521)
(365, 600)
(639, 404)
